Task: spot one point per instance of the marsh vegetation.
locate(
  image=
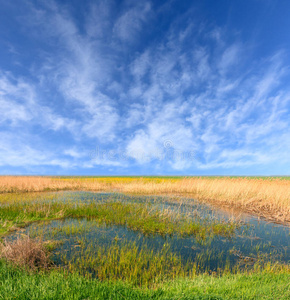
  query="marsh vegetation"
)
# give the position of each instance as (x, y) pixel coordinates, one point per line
(135, 242)
(263, 196)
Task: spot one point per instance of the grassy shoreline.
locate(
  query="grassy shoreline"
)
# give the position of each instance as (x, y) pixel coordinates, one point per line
(17, 283)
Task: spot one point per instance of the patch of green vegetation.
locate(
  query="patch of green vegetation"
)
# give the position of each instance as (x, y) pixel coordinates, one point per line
(142, 266)
(126, 262)
(16, 283)
(139, 217)
(52, 245)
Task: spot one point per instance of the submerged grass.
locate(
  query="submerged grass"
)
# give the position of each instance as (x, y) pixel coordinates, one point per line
(142, 266)
(129, 263)
(266, 197)
(135, 216)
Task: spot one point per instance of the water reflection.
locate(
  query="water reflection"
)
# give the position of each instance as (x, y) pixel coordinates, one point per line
(80, 239)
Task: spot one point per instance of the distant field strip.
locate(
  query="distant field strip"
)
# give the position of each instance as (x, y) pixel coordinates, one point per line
(264, 196)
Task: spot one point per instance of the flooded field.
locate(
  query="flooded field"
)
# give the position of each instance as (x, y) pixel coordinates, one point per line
(172, 237)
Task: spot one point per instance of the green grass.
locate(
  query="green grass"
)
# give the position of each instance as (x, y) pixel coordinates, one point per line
(126, 262)
(148, 221)
(17, 283)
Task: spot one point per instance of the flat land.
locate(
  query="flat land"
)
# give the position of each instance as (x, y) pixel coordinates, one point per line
(267, 197)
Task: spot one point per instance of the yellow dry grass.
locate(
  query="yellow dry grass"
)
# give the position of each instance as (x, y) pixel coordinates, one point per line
(268, 197)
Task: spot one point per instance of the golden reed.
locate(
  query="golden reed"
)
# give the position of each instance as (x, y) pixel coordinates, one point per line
(266, 197)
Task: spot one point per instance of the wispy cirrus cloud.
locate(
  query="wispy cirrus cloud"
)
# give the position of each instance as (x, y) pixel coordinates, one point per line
(20, 103)
(129, 25)
(80, 68)
(230, 111)
(102, 76)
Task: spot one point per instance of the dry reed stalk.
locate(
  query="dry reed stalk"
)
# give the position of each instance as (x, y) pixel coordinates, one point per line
(26, 252)
(269, 198)
(12, 184)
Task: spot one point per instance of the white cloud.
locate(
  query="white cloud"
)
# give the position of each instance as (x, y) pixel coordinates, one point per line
(230, 57)
(73, 152)
(165, 129)
(81, 67)
(236, 111)
(19, 151)
(20, 105)
(130, 23)
(211, 98)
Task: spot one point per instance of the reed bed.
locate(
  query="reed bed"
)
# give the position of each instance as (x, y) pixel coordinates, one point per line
(266, 197)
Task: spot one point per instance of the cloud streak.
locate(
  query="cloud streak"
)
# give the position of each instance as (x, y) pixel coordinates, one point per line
(117, 76)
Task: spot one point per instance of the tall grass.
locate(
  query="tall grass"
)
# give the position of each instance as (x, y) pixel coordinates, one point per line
(266, 197)
(126, 262)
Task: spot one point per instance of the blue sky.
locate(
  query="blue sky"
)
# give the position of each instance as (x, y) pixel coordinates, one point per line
(137, 87)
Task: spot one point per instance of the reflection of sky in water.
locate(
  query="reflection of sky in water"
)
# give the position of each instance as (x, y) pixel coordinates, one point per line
(257, 238)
